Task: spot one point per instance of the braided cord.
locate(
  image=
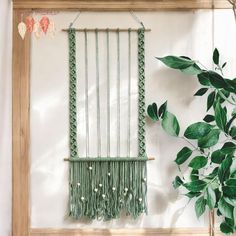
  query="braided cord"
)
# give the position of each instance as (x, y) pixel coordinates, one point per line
(73, 95)
(141, 94)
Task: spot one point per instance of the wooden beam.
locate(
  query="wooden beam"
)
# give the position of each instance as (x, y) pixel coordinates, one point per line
(20, 131)
(120, 5)
(105, 30)
(110, 159)
(124, 232)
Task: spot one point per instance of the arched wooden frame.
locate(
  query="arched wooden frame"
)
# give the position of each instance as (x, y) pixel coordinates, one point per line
(21, 106)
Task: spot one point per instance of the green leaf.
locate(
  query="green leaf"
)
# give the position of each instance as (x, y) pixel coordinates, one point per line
(210, 100)
(219, 96)
(211, 198)
(170, 124)
(162, 109)
(229, 221)
(194, 175)
(192, 70)
(217, 157)
(231, 182)
(220, 116)
(216, 56)
(209, 118)
(204, 79)
(225, 228)
(228, 148)
(234, 215)
(229, 191)
(225, 208)
(230, 123)
(218, 213)
(232, 132)
(200, 206)
(233, 168)
(195, 186)
(177, 182)
(224, 169)
(152, 112)
(217, 80)
(197, 130)
(201, 92)
(198, 162)
(210, 139)
(231, 85)
(231, 201)
(192, 194)
(224, 65)
(176, 62)
(183, 155)
(213, 173)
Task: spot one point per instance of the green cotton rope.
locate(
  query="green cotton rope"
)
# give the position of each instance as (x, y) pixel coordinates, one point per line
(73, 92)
(141, 93)
(104, 188)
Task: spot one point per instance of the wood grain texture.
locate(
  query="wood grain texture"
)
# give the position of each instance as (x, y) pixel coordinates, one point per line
(120, 5)
(123, 232)
(20, 131)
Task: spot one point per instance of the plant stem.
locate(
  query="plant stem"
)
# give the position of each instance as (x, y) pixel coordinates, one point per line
(212, 223)
(195, 148)
(223, 96)
(233, 3)
(201, 65)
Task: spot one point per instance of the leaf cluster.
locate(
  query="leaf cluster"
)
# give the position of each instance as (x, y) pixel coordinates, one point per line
(211, 162)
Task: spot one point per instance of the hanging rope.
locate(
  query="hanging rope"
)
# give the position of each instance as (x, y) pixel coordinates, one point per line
(98, 97)
(86, 92)
(118, 92)
(129, 93)
(108, 94)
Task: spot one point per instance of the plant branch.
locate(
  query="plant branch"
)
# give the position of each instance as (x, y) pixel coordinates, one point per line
(195, 148)
(233, 3)
(225, 98)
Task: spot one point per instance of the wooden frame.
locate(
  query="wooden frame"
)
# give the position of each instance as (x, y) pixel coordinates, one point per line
(119, 5)
(21, 104)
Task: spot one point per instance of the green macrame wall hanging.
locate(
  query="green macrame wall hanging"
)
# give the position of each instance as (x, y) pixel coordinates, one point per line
(103, 187)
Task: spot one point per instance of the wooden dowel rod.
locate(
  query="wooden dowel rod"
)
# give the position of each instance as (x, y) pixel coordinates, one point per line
(109, 159)
(105, 30)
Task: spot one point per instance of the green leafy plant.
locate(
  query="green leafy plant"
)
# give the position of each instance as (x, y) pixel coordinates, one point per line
(211, 143)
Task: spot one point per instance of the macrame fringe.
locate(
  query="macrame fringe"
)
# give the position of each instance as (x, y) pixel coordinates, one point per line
(104, 190)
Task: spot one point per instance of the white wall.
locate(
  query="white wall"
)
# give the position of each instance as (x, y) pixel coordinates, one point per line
(180, 33)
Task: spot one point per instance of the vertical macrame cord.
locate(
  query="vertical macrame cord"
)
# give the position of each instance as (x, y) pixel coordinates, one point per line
(104, 187)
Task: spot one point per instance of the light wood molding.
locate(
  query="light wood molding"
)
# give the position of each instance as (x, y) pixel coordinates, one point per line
(20, 131)
(121, 5)
(123, 232)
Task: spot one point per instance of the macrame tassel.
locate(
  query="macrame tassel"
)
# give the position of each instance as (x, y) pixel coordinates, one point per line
(104, 190)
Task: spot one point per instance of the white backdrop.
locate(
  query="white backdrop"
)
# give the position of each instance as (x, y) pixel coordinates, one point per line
(180, 33)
